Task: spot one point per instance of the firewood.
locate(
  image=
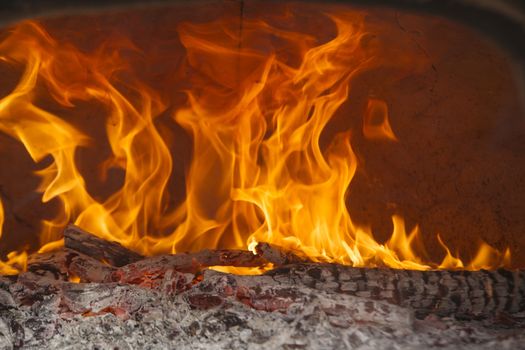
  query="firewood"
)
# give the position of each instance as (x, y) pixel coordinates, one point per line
(186, 262)
(87, 243)
(54, 264)
(277, 255)
(66, 264)
(462, 294)
(222, 309)
(87, 269)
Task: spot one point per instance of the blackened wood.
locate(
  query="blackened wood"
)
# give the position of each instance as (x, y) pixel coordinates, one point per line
(52, 264)
(463, 294)
(186, 262)
(87, 269)
(66, 264)
(230, 312)
(112, 252)
(224, 257)
(277, 255)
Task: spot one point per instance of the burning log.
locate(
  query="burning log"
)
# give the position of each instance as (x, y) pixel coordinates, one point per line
(341, 298)
(290, 301)
(464, 294)
(53, 264)
(277, 255)
(112, 252)
(67, 264)
(185, 262)
(116, 255)
(87, 269)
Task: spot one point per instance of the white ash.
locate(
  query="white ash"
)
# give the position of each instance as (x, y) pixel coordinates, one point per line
(152, 319)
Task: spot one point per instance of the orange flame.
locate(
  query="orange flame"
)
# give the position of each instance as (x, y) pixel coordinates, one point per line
(74, 279)
(376, 124)
(258, 172)
(449, 261)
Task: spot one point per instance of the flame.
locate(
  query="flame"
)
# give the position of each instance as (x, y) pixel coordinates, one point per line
(242, 270)
(449, 261)
(256, 115)
(487, 257)
(375, 123)
(74, 279)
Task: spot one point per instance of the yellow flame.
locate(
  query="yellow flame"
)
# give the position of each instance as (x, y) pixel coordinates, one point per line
(258, 172)
(487, 257)
(14, 264)
(449, 261)
(74, 279)
(242, 270)
(50, 246)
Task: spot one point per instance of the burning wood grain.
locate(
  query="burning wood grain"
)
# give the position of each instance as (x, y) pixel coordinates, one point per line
(466, 294)
(333, 299)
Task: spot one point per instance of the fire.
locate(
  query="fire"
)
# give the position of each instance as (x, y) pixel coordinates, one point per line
(376, 124)
(74, 279)
(256, 116)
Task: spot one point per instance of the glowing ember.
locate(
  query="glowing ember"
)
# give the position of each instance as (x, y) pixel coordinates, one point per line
(256, 115)
(74, 279)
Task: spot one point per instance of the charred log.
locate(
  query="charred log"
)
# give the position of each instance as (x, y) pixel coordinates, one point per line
(276, 310)
(155, 267)
(462, 294)
(112, 253)
(66, 264)
(175, 300)
(277, 255)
